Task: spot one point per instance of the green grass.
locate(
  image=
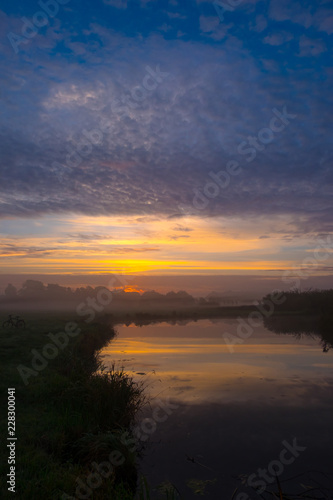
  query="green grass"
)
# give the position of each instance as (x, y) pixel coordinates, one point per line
(67, 416)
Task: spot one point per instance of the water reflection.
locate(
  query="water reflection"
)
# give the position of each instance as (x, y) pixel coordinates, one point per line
(193, 363)
(234, 409)
(298, 326)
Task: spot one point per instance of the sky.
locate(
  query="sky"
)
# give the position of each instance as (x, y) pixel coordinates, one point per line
(166, 137)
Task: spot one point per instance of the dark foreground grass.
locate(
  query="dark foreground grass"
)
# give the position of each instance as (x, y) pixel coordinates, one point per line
(67, 416)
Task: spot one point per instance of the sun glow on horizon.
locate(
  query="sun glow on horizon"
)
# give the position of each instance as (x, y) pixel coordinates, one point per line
(149, 245)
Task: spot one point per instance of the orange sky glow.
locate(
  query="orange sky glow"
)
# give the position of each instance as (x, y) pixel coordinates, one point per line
(150, 245)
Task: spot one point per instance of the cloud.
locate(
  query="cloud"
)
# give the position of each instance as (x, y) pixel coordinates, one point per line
(320, 18)
(260, 24)
(157, 151)
(324, 22)
(278, 38)
(126, 250)
(176, 15)
(311, 47)
(208, 23)
(178, 237)
(295, 12)
(89, 236)
(182, 228)
(9, 249)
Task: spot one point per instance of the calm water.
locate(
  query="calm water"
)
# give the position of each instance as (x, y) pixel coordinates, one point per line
(231, 411)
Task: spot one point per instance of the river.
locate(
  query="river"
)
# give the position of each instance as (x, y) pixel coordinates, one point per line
(224, 408)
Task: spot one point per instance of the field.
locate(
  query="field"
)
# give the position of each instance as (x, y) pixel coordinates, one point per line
(68, 418)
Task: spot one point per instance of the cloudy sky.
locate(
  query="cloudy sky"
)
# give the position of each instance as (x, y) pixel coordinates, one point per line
(176, 136)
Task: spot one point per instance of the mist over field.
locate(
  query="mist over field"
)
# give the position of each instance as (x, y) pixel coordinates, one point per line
(241, 288)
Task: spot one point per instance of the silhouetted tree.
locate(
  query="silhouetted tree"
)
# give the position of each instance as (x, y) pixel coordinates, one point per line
(10, 291)
(32, 288)
(56, 291)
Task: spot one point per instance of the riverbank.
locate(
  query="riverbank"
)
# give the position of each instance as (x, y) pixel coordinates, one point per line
(69, 419)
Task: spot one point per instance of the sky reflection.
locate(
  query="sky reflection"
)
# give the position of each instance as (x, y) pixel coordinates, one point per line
(194, 364)
(234, 410)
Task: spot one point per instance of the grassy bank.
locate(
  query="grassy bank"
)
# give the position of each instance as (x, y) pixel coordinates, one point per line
(67, 417)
